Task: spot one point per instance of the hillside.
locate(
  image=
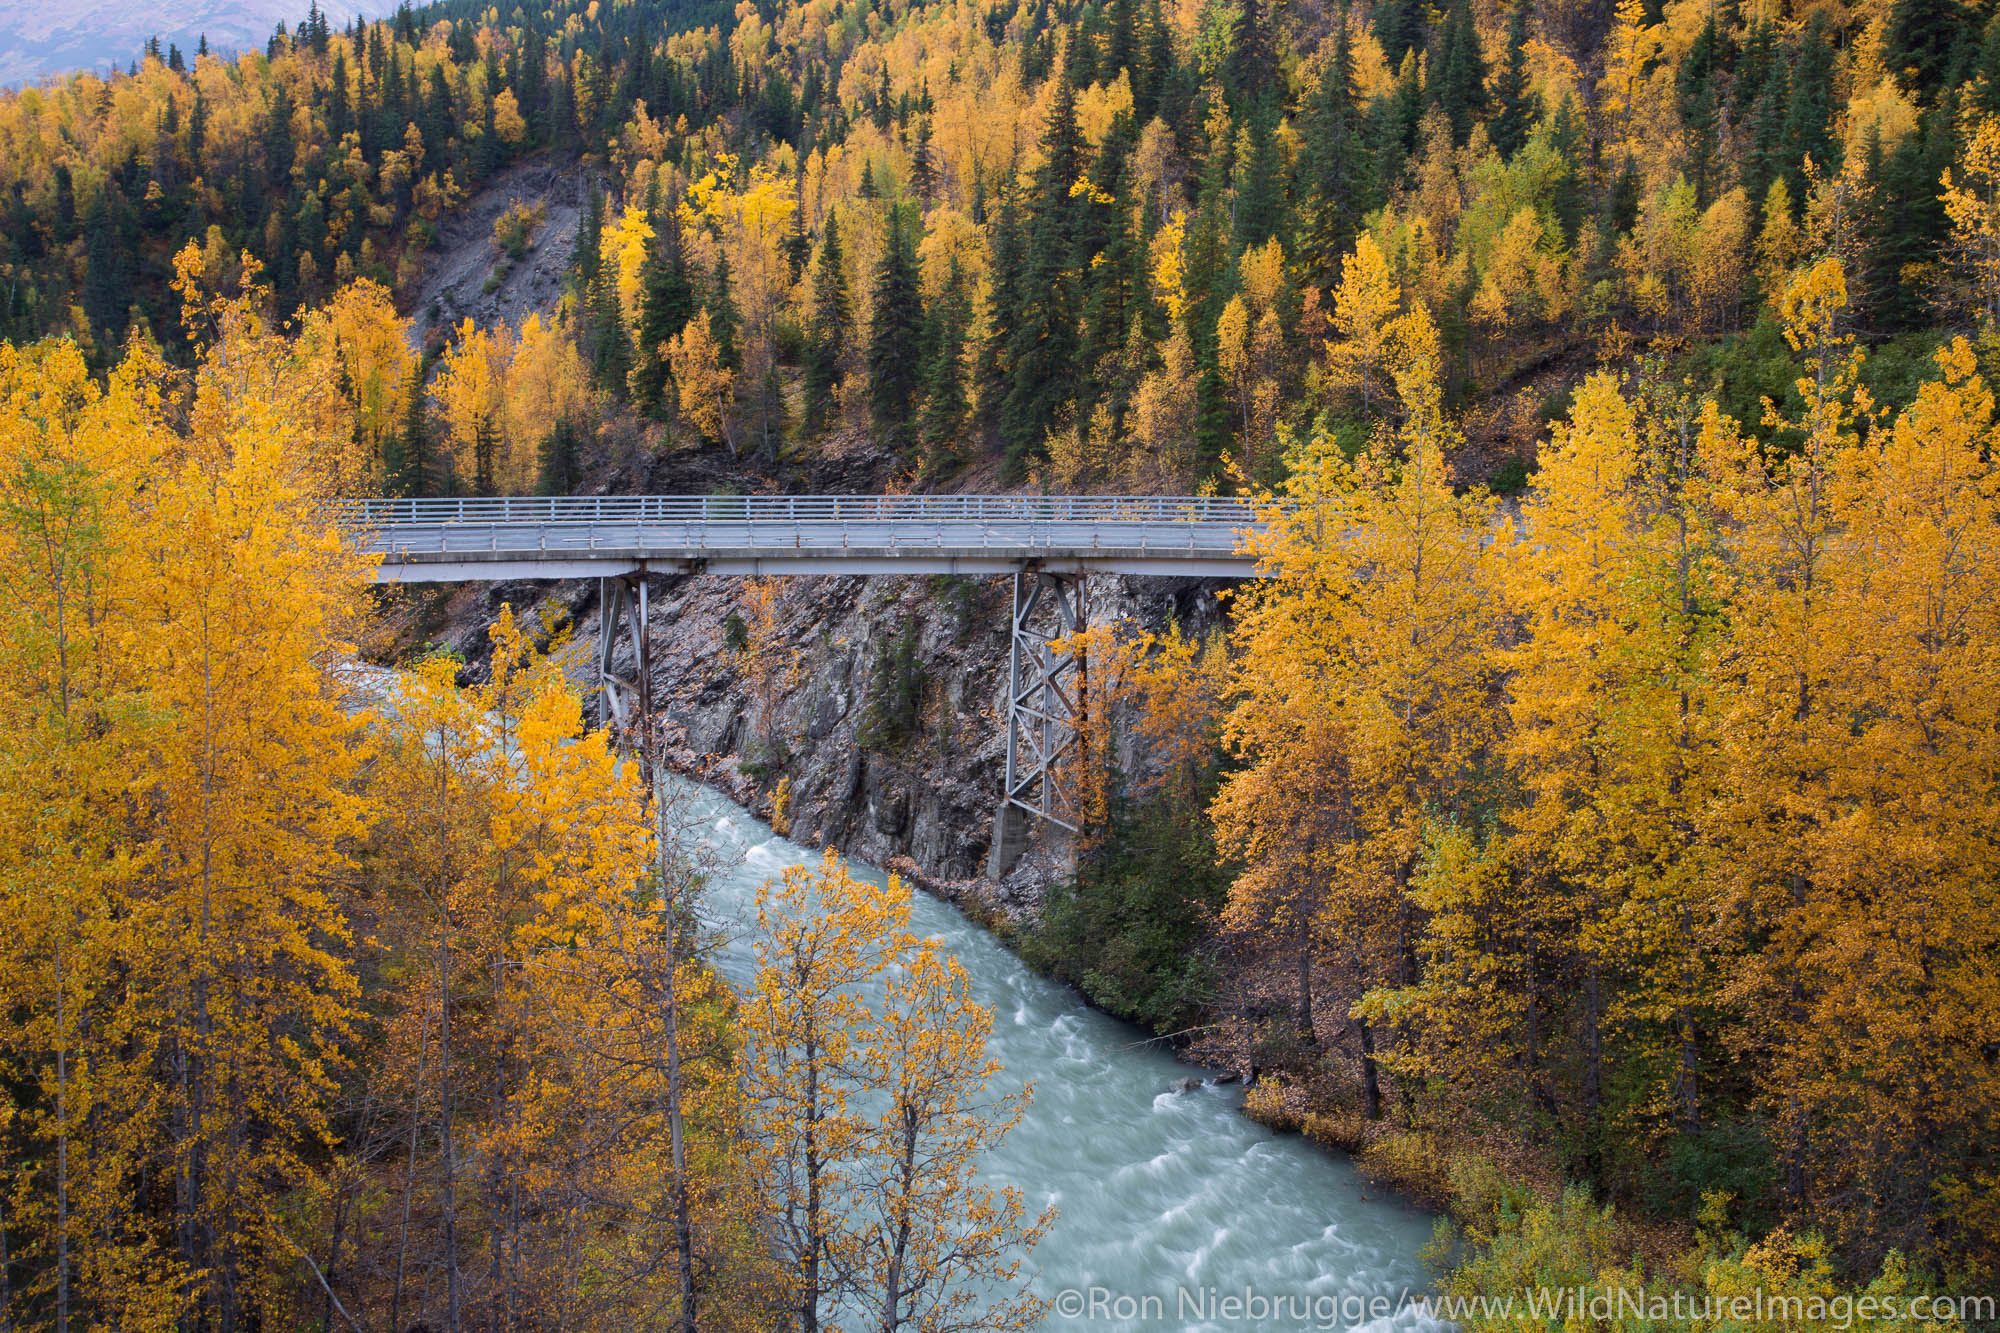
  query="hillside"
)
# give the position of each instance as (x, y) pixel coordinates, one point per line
(1592, 817)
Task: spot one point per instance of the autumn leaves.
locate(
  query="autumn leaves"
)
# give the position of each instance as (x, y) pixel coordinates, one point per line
(868, 1068)
(329, 1015)
(1661, 813)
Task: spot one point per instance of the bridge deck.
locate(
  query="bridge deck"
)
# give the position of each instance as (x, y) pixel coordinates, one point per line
(598, 536)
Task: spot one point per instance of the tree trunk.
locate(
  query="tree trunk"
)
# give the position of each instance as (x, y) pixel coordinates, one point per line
(809, 1269)
(1305, 965)
(670, 1021)
(409, 1188)
(447, 1149)
(1371, 1082)
(62, 1149)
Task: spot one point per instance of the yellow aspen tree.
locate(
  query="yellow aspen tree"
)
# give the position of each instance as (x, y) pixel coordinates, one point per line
(705, 388)
(625, 246)
(372, 343)
(1163, 420)
(1781, 732)
(615, 997)
(1232, 354)
(71, 457)
(927, 1241)
(1665, 726)
(1364, 307)
(547, 383)
(753, 223)
(247, 798)
(1902, 918)
(471, 391)
(822, 936)
(1780, 244)
(500, 831)
(1291, 821)
(1528, 921)
(1971, 198)
(1716, 269)
(1613, 563)
(1365, 675)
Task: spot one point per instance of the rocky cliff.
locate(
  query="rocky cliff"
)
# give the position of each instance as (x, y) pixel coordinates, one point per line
(864, 714)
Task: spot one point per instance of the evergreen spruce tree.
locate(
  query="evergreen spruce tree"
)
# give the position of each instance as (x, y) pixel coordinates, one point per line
(1624, 209)
(1336, 186)
(1809, 112)
(667, 301)
(561, 458)
(339, 114)
(993, 377)
(1569, 135)
(923, 172)
(1456, 80)
(1157, 66)
(1516, 106)
(798, 243)
(832, 326)
(412, 465)
(1764, 156)
(1983, 92)
(1253, 58)
(586, 258)
(1700, 108)
(895, 331)
(941, 423)
(106, 278)
(1042, 351)
(279, 149)
(1260, 187)
(724, 323)
(1121, 39)
(485, 454)
(1399, 26)
(1907, 226)
(1115, 282)
(1918, 46)
(610, 347)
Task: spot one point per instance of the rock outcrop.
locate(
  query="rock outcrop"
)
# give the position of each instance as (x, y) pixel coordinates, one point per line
(872, 721)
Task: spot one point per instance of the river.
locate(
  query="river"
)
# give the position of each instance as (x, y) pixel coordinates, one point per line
(1170, 1203)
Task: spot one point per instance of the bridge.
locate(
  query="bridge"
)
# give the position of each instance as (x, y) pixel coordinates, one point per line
(1048, 543)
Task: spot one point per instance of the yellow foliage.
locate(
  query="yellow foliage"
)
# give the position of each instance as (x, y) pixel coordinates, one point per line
(704, 386)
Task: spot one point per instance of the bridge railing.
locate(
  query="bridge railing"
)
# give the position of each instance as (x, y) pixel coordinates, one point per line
(486, 511)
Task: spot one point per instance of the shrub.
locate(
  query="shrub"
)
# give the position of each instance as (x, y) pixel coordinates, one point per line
(1127, 929)
(514, 230)
(1410, 1161)
(1344, 1130)
(895, 695)
(1275, 1104)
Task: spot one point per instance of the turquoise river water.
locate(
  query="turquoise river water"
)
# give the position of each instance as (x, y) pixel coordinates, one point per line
(1174, 1211)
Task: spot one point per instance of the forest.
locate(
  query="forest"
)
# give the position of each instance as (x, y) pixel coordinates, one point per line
(1589, 821)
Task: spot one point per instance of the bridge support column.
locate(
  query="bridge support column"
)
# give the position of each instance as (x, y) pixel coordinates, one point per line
(1045, 702)
(627, 708)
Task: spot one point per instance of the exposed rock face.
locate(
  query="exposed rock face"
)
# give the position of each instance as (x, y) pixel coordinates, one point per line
(468, 276)
(827, 758)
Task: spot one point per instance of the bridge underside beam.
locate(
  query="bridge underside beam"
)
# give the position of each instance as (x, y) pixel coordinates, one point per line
(1045, 711)
(474, 568)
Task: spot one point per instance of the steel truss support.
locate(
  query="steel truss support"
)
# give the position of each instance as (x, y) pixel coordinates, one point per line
(627, 701)
(1045, 711)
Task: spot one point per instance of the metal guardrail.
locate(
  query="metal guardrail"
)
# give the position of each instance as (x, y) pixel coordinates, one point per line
(834, 530)
(635, 509)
